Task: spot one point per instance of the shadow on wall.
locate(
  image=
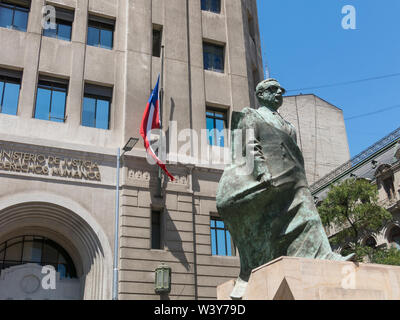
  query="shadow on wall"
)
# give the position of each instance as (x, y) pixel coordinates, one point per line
(174, 242)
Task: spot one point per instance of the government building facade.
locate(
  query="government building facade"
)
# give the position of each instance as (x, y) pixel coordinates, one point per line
(73, 93)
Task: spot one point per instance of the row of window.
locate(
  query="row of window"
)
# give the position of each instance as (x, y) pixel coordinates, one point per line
(221, 241)
(101, 31)
(14, 15)
(38, 250)
(51, 99)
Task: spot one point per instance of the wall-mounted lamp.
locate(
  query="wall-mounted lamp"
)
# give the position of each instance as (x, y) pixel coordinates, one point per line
(162, 283)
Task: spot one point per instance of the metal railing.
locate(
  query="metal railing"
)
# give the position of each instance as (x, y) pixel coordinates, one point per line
(358, 159)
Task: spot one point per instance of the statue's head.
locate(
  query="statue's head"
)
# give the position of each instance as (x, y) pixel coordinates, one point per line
(270, 93)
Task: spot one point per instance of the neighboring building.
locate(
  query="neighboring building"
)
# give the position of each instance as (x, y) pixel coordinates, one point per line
(72, 95)
(321, 133)
(380, 164)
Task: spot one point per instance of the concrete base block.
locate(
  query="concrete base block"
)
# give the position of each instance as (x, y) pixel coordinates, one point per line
(289, 278)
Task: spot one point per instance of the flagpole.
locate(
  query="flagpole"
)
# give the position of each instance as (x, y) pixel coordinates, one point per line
(159, 180)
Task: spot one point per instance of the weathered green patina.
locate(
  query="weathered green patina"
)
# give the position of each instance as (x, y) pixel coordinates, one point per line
(270, 213)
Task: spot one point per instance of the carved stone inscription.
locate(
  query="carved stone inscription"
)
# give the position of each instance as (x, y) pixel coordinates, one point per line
(46, 165)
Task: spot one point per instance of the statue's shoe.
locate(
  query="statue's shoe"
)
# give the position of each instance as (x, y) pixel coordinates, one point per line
(338, 257)
(350, 257)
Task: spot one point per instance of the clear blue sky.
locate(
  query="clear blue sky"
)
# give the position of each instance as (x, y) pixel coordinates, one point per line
(305, 46)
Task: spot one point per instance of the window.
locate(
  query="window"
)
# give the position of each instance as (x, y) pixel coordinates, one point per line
(14, 14)
(213, 57)
(96, 107)
(10, 85)
(100, 32)
(63, 28)
(38, 250)
(216, 123)
(221, 242)
(156, 230)
(211, 5)
(51, 99)
(157, 41)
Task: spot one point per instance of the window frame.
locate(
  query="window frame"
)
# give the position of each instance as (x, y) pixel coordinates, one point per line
(69, 263)
(215, 47)
(16, 7)
(93, 23)
(161, 224)
(54, 86)
(8, 79)
(158, 29)
(208, 7)
(224, 112)
(216, 229)
(97, 96)
(56, 36)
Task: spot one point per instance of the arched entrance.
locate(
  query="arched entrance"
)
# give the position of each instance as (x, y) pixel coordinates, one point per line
(34, 267)
(66, 228)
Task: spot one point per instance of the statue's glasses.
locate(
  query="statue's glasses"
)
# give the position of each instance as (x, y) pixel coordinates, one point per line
(274, 89)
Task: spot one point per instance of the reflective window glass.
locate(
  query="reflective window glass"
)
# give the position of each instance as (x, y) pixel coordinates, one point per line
(51, 101)
(43, 104)
(64, 32)
(89, 112)
(13, 253)
(221, 242)
(106, 39)
(213, 57)
(20, 20)
(102, 114)
(211, 5)
(216, 123)
(50, 254)
(93, 36)
(6, 17)
(24, 250)
(10, 98)
(50, 32)
(101, 34)
(58, 100)
(32, 251)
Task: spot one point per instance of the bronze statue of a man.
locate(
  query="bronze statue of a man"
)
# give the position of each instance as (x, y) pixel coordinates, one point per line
(270, 213)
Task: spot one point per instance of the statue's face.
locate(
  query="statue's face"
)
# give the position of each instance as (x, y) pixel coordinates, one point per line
(271, 95)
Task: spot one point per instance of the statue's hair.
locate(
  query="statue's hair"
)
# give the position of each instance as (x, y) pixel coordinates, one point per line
(264, 82)
(261, 84)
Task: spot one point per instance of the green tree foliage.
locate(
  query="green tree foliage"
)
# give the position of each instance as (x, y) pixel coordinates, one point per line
(352, 209)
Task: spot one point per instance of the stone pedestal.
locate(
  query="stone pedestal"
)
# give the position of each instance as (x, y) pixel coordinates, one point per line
(290, 278)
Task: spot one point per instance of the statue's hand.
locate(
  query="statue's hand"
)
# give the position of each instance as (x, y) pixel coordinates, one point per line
(255, 148)
(260, 171)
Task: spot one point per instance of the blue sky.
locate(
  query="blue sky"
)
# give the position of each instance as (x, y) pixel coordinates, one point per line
(305, 46)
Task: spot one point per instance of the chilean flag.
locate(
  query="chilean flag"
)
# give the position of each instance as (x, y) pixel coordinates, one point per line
(151, 121)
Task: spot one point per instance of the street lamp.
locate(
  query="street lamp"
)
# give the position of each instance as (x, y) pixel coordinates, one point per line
(130, 144)
(128, 147)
